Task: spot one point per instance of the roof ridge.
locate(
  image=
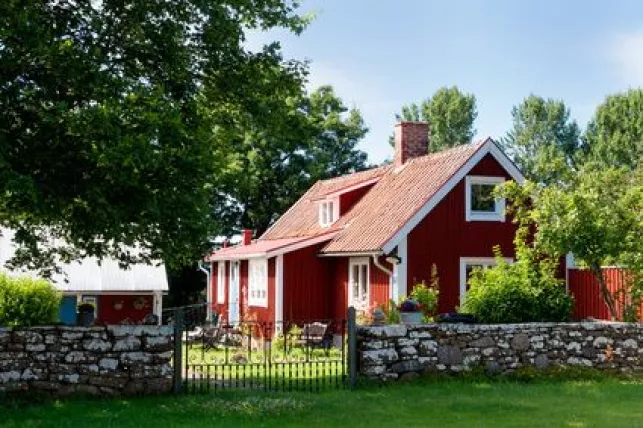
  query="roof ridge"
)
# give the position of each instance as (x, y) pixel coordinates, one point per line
(352, 174)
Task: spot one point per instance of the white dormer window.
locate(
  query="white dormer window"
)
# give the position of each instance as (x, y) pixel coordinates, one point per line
(481, 204)
(328, 212)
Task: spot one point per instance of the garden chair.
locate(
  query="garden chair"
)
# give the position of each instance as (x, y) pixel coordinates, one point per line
(318, 335)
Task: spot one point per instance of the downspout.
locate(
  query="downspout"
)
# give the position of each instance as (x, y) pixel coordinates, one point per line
(208, 291)
(381, 267)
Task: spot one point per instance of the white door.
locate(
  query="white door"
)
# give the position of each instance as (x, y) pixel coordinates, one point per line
(233, 298)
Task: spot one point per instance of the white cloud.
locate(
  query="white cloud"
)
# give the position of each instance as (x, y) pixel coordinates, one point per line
(626, 52)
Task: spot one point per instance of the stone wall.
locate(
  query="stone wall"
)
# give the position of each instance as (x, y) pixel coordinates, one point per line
(113, 360)
(398, 351)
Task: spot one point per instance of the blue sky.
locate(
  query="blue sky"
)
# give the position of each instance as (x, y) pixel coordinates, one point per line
(381, 54)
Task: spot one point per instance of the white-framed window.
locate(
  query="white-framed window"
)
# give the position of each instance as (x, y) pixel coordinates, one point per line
(468, 265)
(328, 212)
(258, 282)
(221, 282)
(481, 204)
(358, 281)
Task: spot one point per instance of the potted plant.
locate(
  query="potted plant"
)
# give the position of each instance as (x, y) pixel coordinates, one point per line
(410, 311)
(86, 314)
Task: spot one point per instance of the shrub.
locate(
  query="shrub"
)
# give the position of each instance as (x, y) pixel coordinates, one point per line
(525, 291)
(427, 295)
(27, 302)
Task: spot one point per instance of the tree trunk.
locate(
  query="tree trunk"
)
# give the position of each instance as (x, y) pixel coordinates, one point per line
(605, 292)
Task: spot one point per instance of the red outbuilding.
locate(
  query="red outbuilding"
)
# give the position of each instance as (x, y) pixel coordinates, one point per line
(367, 237)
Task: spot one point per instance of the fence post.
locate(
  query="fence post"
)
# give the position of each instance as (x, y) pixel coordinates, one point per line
(352, 348)
(178, 350)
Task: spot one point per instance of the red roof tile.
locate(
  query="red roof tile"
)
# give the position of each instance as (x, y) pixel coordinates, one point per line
(396, 198)
(302, 219)
(262, 247)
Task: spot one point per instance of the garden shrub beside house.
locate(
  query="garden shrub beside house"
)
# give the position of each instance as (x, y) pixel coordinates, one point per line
(27, 302)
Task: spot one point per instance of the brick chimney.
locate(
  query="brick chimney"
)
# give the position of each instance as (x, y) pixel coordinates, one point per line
(246, 237)
(411, 141)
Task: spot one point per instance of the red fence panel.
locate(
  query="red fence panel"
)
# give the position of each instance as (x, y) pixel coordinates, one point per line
(587, 295)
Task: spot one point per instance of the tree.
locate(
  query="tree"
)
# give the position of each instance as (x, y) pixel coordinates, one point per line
(544, 142)
(113, 117)
(615, 133)
(450, 113)
(598, 217)
(312, 137)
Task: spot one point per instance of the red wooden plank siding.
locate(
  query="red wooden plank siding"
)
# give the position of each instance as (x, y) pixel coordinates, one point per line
(380, 285)
(588, 302)
(339, 288)
(444, 236)
(108, 314)
(307, 285)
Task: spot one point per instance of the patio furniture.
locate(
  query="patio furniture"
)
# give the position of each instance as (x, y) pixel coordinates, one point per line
(318, 335)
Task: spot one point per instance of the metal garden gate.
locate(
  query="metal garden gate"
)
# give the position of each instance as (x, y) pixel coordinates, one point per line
(311, 355)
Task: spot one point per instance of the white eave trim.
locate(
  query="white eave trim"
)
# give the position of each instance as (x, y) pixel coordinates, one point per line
(489, 147)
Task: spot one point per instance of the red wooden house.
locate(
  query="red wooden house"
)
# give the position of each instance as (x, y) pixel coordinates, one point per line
(370, 236)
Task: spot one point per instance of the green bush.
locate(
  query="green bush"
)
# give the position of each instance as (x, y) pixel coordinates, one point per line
(27, 302)
(427, 295)
(524, 291)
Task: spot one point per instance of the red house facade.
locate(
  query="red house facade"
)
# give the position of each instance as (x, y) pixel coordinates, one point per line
(370, 236)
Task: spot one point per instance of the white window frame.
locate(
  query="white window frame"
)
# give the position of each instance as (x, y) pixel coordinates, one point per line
(485, 262)
(221, 282)
(258, 285)
(499, 212)
(328, 212)
(359, 261)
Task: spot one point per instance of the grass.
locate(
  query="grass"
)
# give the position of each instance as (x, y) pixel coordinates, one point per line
(454, 402)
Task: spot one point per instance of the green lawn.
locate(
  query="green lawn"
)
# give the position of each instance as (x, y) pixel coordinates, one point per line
(608, 403)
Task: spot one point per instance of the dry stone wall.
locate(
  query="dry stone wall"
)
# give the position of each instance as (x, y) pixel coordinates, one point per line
(399, 351)
(113, 360)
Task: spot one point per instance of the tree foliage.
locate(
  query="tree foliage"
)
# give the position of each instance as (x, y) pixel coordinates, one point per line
(277, 156)
(450, 113)
(598, 218)
(544, 142)
(114, 118)
(615, 133)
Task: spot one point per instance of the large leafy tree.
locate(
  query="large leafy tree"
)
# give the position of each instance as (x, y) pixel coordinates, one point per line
(615, 133)
(544, 142)
(451, 114)
(310, 137)
(115, 117)
(598, 217)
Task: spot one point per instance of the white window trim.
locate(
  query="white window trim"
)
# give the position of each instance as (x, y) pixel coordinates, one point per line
(465, 261)
(221, 282)
(499, 212)
(324, 221)
(359, 261)
(258, 284)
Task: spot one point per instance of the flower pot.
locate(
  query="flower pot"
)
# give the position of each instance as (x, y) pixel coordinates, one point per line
(411, 317)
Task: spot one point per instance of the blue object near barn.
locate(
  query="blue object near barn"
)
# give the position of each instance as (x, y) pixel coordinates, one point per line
(68, 310)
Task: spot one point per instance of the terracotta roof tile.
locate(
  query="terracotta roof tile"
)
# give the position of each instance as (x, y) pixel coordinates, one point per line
(396, 198)
(302, 218)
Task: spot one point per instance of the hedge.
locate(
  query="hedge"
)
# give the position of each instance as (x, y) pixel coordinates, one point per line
(26, 301)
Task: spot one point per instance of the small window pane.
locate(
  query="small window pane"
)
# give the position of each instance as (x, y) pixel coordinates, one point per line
(331, 213)
(482, 198)
(355, 281)
(364, 280)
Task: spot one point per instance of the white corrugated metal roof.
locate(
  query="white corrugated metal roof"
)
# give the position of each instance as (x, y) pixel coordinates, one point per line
(89, 275)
